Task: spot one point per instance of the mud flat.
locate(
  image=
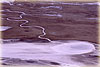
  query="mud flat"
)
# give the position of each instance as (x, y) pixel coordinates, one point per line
(61, 20)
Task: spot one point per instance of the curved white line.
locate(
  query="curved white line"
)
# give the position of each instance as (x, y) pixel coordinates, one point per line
(22, 25)
(41, 36)
(20, 17)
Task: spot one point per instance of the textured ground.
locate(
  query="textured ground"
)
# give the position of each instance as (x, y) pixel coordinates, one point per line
(61, 21)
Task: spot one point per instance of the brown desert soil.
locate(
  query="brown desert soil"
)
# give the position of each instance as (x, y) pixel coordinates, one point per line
(73, 25)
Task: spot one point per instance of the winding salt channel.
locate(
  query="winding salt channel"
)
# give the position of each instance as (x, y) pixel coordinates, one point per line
(25, 22)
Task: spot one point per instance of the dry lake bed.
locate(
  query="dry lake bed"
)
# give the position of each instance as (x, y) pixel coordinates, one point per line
(49, 33)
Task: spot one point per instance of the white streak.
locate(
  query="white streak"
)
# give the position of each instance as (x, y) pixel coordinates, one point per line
(25, 22)
(7, 1)
(4, 28)
(18, 18)
(57, 15)
(43, 31)
(57, 7)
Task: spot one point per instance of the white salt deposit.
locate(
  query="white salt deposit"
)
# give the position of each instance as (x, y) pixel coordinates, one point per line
(4, 28)
(73, 48)
(57, 15)
(54, 51)
(6, 1)
(23, 50)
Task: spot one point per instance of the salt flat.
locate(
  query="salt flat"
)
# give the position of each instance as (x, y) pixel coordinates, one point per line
(40, 30)
(44, 51)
